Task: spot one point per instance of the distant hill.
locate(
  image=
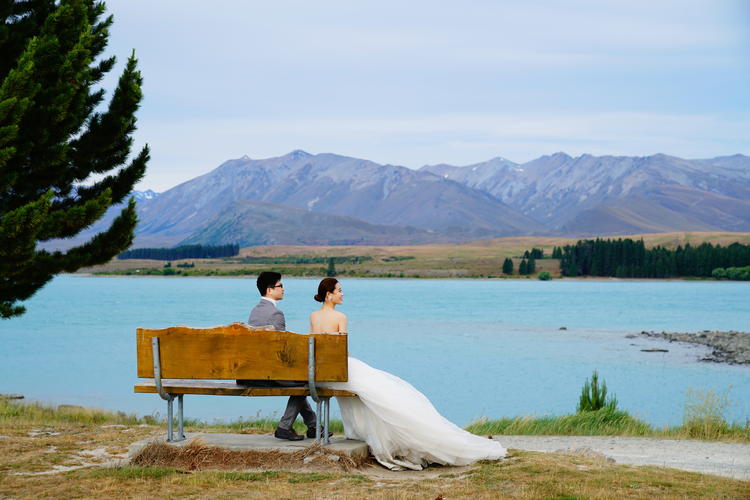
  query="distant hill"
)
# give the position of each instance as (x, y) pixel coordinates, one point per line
(252, 223)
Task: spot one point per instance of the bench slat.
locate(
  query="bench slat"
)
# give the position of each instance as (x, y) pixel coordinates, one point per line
(226, 388)
(239, 352)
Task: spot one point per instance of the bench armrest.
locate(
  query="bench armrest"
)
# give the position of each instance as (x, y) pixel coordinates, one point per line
(311, 369)
(157, 369)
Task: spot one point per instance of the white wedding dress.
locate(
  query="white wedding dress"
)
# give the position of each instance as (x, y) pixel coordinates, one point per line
(400, 425)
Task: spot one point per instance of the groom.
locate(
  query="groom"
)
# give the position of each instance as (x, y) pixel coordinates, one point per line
(267, 313)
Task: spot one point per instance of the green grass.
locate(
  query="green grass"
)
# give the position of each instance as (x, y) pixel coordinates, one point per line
(703, 419)
(132, 472)
(605, 422)
(37, 413)
(139, 472)
(309, 477)
(248, 476)
(609, 422)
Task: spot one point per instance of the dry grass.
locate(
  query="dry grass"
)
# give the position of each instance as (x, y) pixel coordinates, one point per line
(196, 455)
(525, 475)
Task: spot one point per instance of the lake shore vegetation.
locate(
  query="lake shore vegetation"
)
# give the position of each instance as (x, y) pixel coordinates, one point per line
(703, 419)
(475, 260)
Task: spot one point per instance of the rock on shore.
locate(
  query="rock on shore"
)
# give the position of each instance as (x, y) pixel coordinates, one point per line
(728, 347)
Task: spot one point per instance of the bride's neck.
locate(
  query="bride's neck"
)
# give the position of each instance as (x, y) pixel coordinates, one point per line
(328, 306)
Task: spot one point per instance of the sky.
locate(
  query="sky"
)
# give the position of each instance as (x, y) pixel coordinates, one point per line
(425, 82)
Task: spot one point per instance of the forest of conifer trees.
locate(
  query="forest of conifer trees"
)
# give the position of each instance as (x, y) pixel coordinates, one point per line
(182, 252)
(626, 258)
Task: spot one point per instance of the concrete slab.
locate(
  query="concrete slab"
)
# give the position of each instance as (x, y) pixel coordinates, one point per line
(259, 442)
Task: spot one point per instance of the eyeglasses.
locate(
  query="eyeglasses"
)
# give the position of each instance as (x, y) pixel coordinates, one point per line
(280, 285)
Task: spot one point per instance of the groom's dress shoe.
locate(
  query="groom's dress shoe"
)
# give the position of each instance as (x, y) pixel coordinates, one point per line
(311, 432)
(288, 434)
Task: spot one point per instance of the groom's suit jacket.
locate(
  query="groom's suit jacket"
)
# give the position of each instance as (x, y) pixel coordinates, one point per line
(266, 313)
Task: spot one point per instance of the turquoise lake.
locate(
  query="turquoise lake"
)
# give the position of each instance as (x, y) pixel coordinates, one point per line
(476, 348)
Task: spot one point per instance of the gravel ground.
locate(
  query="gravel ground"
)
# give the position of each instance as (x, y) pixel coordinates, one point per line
(721, 459)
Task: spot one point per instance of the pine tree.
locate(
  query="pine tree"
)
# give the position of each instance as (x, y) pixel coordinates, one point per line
(54, 136)
(522, 267)
(507, 266)
(531, 266)
(594, 396)
(331, 271)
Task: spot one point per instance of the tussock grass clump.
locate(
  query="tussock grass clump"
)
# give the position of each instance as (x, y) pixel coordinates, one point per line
(196, 455)
(704, 416)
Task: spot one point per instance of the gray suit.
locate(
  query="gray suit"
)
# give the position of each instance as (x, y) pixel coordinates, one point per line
(265, 313)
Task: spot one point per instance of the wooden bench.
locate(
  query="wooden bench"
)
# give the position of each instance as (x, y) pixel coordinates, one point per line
(182, 360)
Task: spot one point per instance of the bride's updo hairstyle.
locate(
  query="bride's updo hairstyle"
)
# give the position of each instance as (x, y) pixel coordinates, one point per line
(326, 286)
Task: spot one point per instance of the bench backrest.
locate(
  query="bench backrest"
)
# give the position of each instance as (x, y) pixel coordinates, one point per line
(237, 351)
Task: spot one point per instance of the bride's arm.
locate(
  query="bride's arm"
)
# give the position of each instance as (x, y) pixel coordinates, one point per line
(342, 324)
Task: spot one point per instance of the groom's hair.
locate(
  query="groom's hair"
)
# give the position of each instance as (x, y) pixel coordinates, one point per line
(266, 280)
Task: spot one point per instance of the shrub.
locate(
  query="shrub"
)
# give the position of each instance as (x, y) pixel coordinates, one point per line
(545, 276)
(738, 273)
(719, 273)
(704, 414)
(594, 396)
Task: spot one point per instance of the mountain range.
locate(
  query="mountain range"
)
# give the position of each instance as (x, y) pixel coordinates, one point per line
(591, 195)
(300, 198)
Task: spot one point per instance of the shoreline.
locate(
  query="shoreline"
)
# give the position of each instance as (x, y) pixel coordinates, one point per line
(431, 278)
(730, 347)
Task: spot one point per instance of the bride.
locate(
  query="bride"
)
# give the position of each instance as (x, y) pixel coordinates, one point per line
(400, 425)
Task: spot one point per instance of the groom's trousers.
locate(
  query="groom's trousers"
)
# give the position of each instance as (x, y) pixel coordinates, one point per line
(297, 405)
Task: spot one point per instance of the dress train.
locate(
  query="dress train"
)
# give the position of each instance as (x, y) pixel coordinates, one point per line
(400, 425)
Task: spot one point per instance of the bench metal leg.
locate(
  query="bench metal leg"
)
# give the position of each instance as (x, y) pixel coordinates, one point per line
(318, 415)
(327, 404)
(170, 419)
(180, 420)
(170, 434)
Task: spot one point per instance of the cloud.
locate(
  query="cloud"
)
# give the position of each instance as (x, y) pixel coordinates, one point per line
(425, 82)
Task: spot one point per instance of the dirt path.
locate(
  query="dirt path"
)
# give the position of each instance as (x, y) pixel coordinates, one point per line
(721, 459)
